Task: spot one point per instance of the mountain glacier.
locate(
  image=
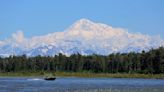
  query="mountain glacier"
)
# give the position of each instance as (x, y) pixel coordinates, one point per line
(84, 37)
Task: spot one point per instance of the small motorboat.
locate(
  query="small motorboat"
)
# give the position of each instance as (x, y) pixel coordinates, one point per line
(49, 77)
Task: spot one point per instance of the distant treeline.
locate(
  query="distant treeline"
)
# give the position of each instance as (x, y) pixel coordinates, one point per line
(151, 62)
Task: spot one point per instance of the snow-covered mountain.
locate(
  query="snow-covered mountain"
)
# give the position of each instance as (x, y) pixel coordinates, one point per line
(84, 37)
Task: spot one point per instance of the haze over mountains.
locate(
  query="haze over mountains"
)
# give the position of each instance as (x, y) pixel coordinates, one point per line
(84, 37)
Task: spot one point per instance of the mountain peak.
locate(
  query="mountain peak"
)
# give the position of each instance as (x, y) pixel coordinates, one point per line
(82, 24)
(84, 20)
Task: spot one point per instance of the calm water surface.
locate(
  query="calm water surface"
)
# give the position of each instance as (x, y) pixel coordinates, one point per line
(13, 84)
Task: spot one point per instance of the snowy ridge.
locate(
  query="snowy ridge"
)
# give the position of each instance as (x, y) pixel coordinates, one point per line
(84, 37)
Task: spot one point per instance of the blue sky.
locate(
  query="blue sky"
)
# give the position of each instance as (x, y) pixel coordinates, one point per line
(39, 17)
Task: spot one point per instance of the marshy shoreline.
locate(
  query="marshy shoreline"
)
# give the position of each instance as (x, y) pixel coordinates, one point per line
(82, 74)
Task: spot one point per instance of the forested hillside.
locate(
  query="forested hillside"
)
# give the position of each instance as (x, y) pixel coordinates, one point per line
(151, 62)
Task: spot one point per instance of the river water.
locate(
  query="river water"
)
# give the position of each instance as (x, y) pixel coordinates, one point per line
(73, 84)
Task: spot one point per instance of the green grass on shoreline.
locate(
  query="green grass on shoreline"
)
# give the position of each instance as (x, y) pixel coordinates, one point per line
(82, 74)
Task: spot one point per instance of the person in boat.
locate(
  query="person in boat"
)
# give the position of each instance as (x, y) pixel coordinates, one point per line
(49, 77)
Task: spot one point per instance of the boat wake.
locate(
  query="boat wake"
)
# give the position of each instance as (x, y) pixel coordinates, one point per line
(34, 79)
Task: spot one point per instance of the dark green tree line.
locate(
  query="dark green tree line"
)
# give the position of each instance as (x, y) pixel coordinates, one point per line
(151, 62)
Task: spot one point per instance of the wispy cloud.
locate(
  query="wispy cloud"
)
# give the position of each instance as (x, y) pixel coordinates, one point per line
(18, 37)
